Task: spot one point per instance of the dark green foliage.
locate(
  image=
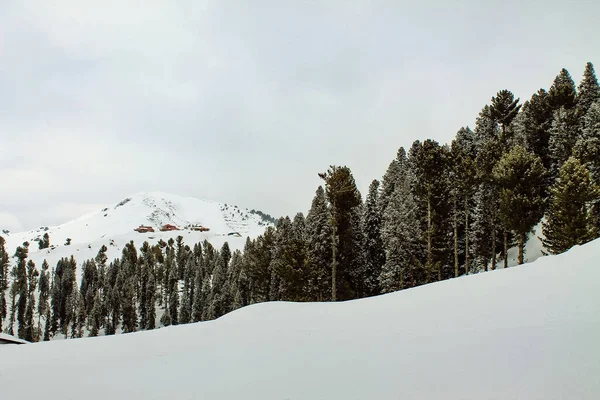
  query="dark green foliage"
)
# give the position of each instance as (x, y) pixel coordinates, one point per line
(31, 333)
(318, 239)
(589, 90)
(44, 243)
(569, 219)
(20, 287)
(535, 126)
(430, 170)
(519, 175)
(504, 109)
(563, 137)
(4, 281)
(344, 199)
(374, 251)
(401, 234)
(562, 92)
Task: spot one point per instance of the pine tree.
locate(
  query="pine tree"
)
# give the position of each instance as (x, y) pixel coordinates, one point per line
(31, 333)
(519, 175)
(563, 137)
(569, 219)
(21, 287)
(534, 126)
(431, 169)
(504, 109)
(401, 235)
(589, 90)
(393, 175)
(44, 289)
(374, 251)
(463, 186)
(587, 147)
(343, 197)
(4, 267)
(562, 92)
(318, 237)
(47, 325)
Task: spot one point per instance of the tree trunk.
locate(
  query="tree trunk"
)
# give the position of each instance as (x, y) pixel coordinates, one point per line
(466, 235)
(493, 249)
(429, 253)
(333, 255)
(505, 249)
(521, 247)
(455, 238)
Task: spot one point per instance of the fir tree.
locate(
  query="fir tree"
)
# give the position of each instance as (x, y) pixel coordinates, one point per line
(44, 289)
(563, 137)
(520, 175)
(504, 109)
(318, 237)
(343, 197)
(4, 267)
(534, 126)
(401, 235)
(430, 166)
(47, 325)
(31, 333)
(562, 92)
(463, 186)
(589, 90)
(374, 251)
(21, 287)
(569, 221)
(393, 175)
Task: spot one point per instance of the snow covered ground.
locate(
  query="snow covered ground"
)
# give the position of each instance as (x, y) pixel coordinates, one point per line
(529, 332)
(116, 224)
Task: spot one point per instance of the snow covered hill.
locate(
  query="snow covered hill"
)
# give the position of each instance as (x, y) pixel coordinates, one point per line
(529, 332)
(114, 227)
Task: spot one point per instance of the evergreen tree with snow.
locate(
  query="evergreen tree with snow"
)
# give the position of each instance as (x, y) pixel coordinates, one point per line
(589, 90)
(4, 279)
(47, 325)
(20, 286)
(392, 176)
(463, 185)
(587, 147)
(344, 198)
(564, 134)
(520, 175)
(431, 172)
(401, 233)
(30, 330)
(374, 251)
(44, 291)
(534, 126)
(569, 220)
(318, 239)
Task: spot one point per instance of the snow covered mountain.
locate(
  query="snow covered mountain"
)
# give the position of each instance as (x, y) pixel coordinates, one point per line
(528, 332)
(114, 226)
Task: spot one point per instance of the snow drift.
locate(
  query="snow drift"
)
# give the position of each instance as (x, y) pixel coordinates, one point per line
(529, 332)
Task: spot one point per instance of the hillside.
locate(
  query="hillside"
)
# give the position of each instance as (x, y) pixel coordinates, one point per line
(528, 332)
(114, 226)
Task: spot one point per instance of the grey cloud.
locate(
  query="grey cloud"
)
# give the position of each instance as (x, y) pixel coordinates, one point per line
(244, 102)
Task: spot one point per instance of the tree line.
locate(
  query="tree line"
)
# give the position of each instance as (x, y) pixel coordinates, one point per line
(439, 211)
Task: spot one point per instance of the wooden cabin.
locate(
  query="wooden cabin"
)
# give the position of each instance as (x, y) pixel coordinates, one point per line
(169, 227)
(144, 229)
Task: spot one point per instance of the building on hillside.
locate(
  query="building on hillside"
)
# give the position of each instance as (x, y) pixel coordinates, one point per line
(8, 339)
(144, 229)
(199, 228)
(169, 227)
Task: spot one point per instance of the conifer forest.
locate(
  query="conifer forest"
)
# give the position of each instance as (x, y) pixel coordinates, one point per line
(440, 211)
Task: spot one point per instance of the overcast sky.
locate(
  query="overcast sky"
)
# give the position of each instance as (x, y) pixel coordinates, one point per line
(245, 102)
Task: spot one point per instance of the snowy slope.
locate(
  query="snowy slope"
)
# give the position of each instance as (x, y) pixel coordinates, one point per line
(529, 332)
(115, 224)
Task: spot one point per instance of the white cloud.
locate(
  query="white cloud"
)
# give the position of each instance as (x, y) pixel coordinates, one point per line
(10, 222)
